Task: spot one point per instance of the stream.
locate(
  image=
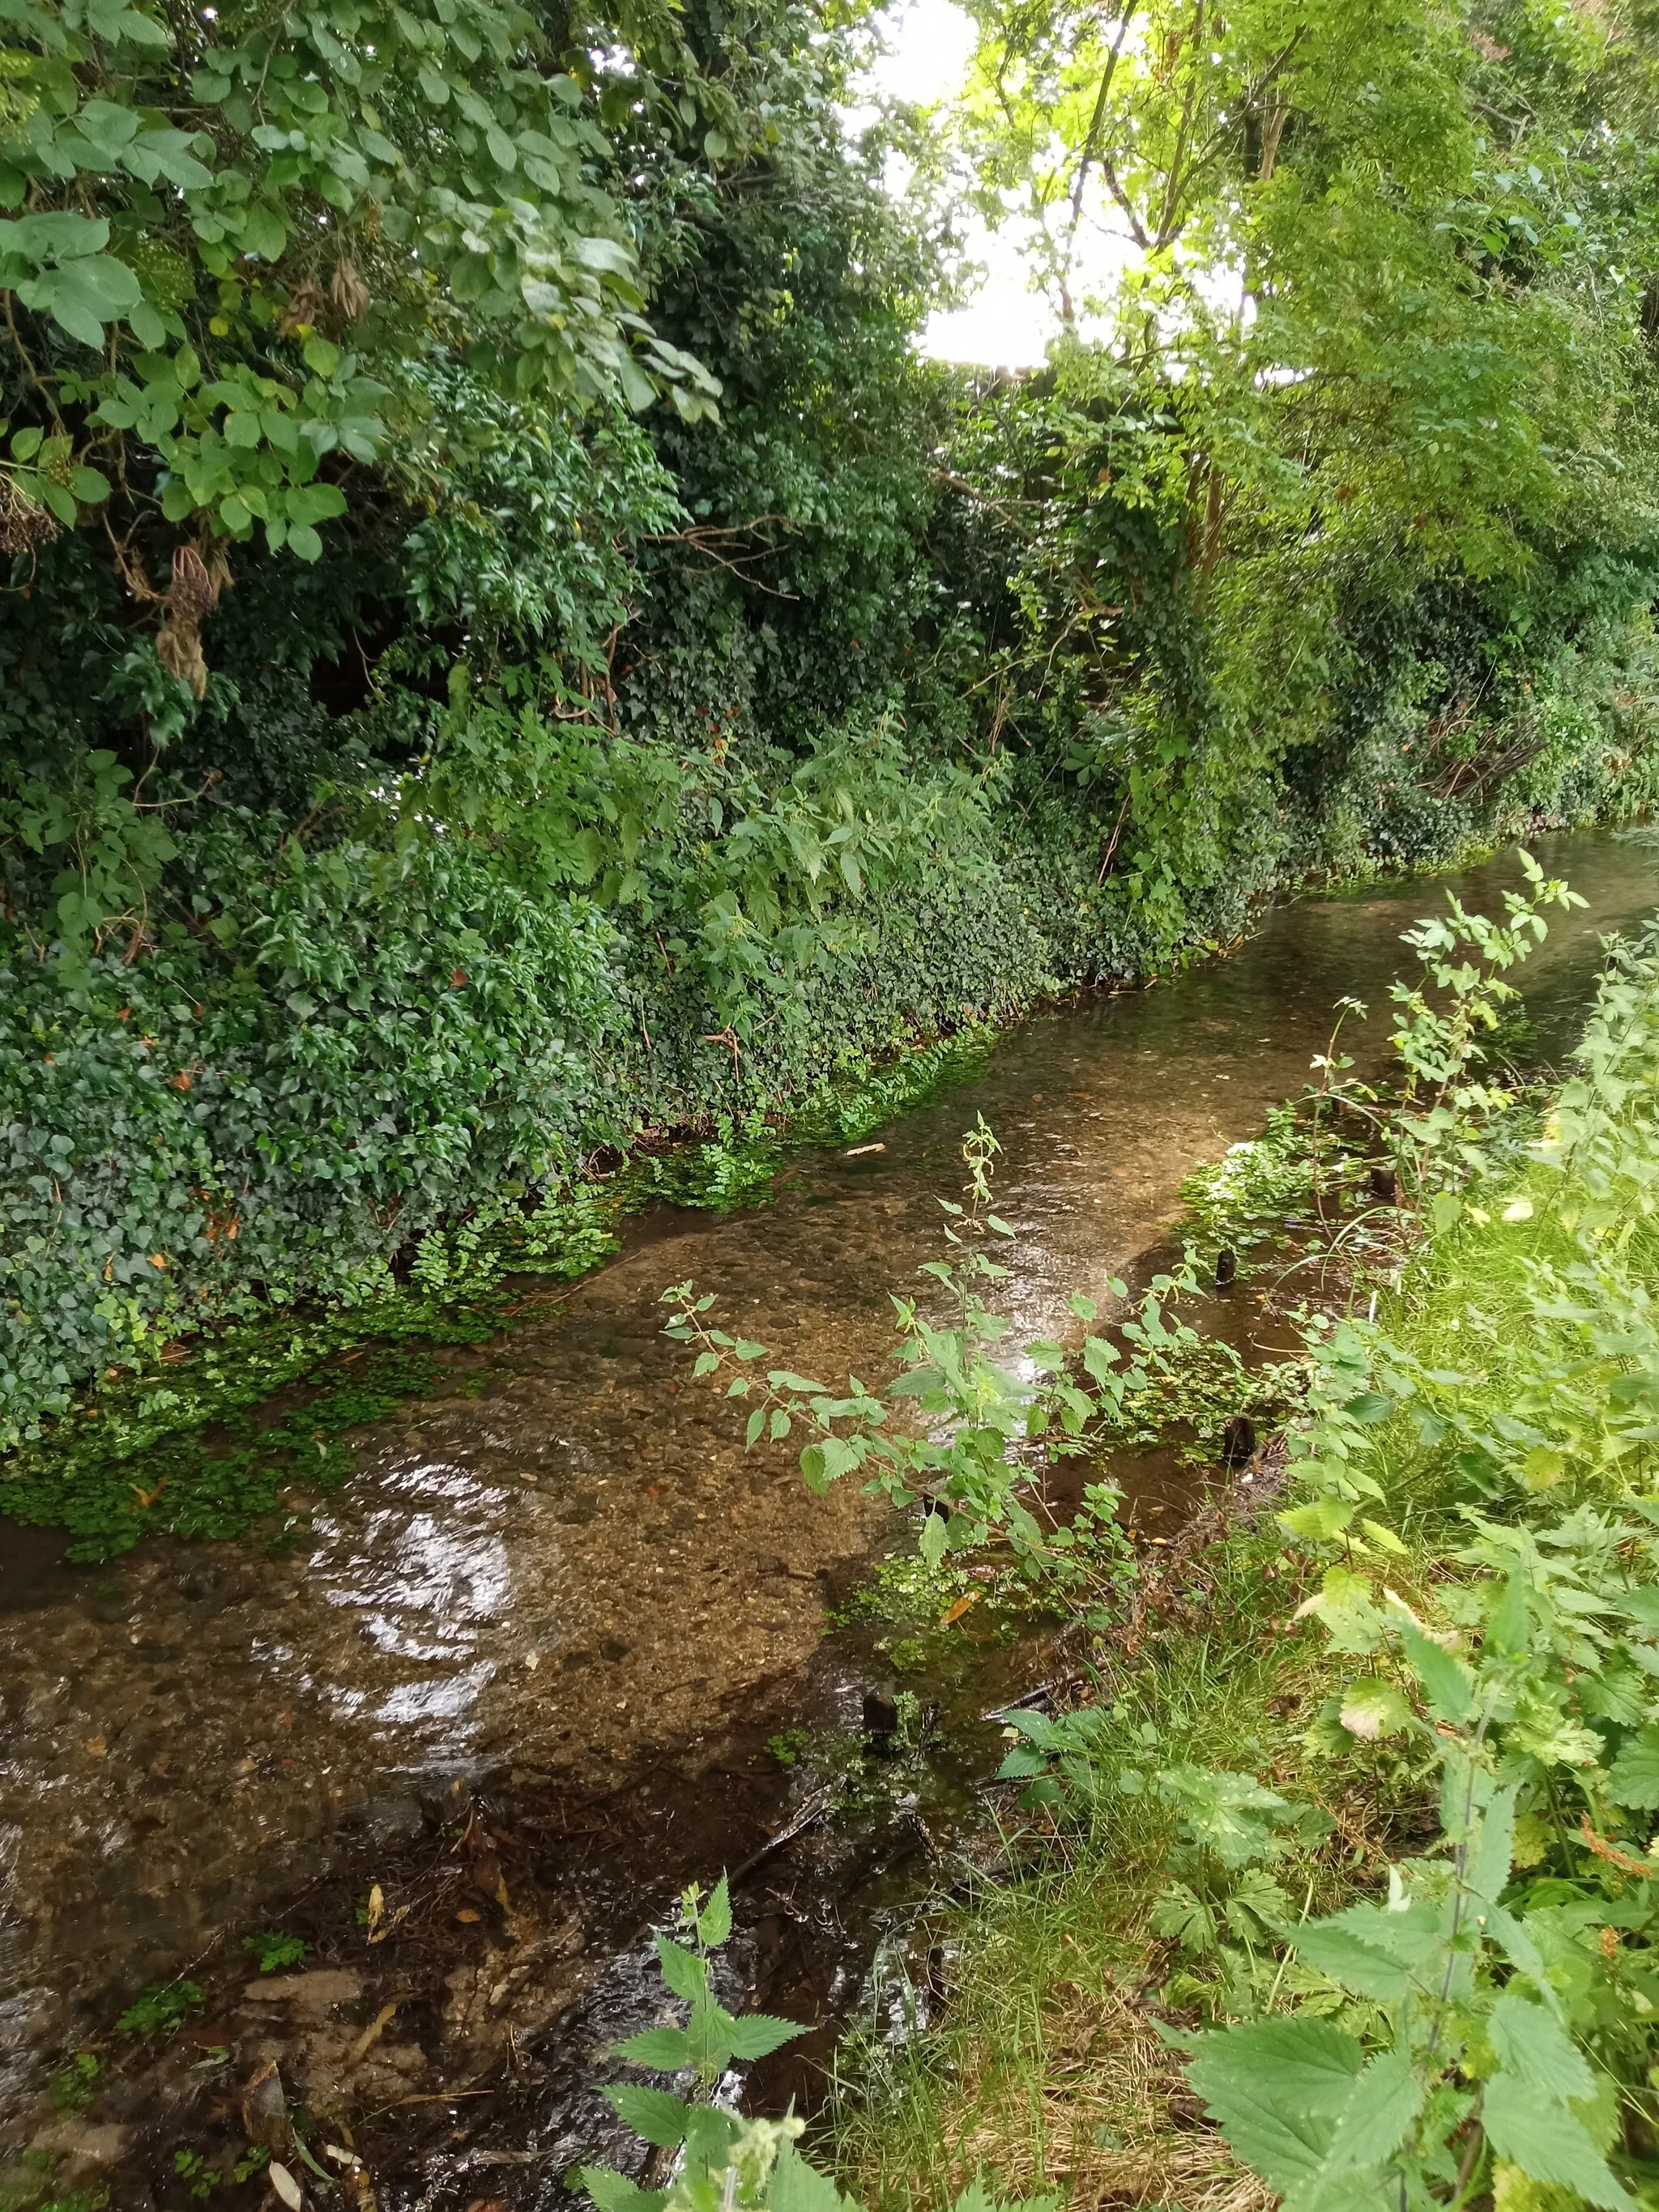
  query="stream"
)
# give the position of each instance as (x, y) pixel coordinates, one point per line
(519, 1683)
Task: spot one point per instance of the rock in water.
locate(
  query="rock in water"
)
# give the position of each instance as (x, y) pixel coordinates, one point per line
(1238, 1441)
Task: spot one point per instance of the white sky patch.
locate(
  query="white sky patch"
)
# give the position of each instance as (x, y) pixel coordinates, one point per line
(927, 48)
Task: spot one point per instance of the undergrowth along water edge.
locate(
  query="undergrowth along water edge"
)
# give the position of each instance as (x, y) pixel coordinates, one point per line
(1349, 1854)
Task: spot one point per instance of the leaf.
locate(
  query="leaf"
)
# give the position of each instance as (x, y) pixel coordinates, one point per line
(1448, 1685)
(1231, 1814)
(1373, 1952)
(83, 295)
(653, 2115)
(1547, 2142)
(1634, 1779)
(663, 2050)
(681, 1970)
(1180, 1914)
(1374, 1709)
(1377, 2118)
(759, 2033)
(1531, 2044)
(780, 1378)
(285, 2185)
(715, 1920)
(1277, 2089)
(1369, 1408)
(263, 233)
(796, 2186)
(614, 2192)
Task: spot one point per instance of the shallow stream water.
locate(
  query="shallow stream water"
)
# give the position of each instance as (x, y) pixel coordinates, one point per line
(530, 1656)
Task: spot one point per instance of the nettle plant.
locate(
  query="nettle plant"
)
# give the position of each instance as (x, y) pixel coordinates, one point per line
(988, 1423)
(1489, 2032)
(1439, 1121)
(718, 2159)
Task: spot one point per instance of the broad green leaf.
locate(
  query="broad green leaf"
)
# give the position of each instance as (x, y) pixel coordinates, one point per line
(653, 2115)
(714, 1918)
(1376, 2118)
(759, 2033)
(614, 2192)
(681, 1970)
(1634, 1778)
(1538, 2134)
(1448, 1685)
(663, 2050)
(795, 2185)
(1374, 1952)
(1277, 2089)
(1374, 1709)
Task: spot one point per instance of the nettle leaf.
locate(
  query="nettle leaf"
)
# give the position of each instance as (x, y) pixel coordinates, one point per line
(1278, 2089)
(715, 1920)
(681, 1970)
(1526, 2110)
(1374, 1952)
(653, 2115)
(797, 2185)
(663, 2050)
(1373, 1709)
(1634, 1779)
(1448, 1685)
(614, 2192)
(1346, 1607)
(759, 2033)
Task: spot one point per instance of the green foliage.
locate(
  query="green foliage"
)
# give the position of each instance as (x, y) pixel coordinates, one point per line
(978, 1410)
(72, 2088)
(722, 2160)
(163, 2008)
(272, 1950)
(722, 758)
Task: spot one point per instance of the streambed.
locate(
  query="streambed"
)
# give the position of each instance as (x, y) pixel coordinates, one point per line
(530, 1657)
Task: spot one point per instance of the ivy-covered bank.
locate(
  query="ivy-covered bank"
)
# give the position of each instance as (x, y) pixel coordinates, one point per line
(509, 647)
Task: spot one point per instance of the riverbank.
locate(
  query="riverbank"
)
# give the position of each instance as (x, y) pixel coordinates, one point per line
(1425, 1679)
(217, 1431)
(559, 1580)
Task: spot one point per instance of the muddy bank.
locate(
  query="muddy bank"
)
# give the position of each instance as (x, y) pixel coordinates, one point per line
(576, 1597)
